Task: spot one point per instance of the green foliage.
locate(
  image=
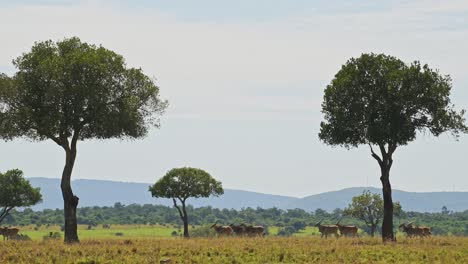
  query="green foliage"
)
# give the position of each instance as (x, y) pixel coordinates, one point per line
(203, 231)
(369, 208)
(378, 99)
(70, 87)
(16, 191)
(287, 231)
(186, 182)
(52, 236)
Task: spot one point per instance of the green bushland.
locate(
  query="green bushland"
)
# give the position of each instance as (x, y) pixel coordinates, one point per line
(442, 223)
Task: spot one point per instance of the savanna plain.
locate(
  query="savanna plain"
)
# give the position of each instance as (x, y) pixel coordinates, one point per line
(144, 244)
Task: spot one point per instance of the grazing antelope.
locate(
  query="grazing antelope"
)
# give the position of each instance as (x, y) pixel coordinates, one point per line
(222, 230)
(239, 230)
(426, 230)
(253, 230)
(347, 230)
(327, 229)
(410, 230)
(8, 233)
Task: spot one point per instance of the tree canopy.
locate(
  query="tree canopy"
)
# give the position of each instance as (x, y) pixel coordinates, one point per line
(378, 99)
(69, 87)
(16, 191)
(183, 183)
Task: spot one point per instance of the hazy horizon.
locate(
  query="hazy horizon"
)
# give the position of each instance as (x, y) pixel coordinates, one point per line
(245, 82)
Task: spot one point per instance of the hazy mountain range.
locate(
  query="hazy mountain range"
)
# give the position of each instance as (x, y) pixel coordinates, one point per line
(107, 193)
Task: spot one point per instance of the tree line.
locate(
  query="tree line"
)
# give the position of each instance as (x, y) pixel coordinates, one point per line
(291, 220)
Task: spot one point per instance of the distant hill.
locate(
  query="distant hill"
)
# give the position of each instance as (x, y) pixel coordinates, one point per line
(107, 193)
(410, 201)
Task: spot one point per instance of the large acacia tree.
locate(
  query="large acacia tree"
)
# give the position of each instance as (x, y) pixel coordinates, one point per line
(68, 91)
(379, 100)
(179, 184)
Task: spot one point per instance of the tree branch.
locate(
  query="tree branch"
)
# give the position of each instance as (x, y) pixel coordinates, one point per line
(178, 208)
(383, 151)
(5, 212)
(375, 156)
(75, 138)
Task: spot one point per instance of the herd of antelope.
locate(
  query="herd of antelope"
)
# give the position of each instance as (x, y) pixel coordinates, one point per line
(239, 230)
(345, 230)
(336, 230)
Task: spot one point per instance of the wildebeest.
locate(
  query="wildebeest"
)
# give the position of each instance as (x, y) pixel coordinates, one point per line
(251, 230)
(222, 230)
(410, 230)
(326, 230)
(9, 233)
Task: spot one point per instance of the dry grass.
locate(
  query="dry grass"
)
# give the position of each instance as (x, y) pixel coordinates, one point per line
(239, 250)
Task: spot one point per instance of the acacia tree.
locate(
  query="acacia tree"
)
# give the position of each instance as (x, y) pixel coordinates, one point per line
(378, 100)
(183, 183)
(68, 91)
(16, 191)
(369, 208)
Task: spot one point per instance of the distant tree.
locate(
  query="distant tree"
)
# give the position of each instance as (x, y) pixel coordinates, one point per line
(320, 213)
(299, 225)
(287, 231)
(445, 210)
(179, 184)
(337, 213)
(379, 100)
(69, 91)
(16, 191)
(369, 208)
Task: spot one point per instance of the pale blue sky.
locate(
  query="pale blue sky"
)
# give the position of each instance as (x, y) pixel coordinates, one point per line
(245, 81)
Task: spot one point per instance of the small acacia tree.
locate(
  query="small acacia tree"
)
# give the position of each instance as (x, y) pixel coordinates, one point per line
(369, 208)
(16, 191)
(68, 91)
(379, 100)
(182, 183)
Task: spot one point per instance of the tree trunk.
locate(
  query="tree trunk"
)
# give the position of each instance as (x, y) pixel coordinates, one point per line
(387, 224)
(185, 220)
(70, 201)
(372, 231)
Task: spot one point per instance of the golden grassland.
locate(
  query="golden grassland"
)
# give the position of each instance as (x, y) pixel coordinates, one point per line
(310, 249)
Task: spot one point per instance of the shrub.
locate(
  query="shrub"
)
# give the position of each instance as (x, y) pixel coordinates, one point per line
(203, 231)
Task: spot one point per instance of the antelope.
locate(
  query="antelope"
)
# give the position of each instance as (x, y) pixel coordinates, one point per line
(346, 230)
(222, 230)
(8, 233)
(327, 229)
(253, 230)
(238, 229)
(410, 230)
(426, 231)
